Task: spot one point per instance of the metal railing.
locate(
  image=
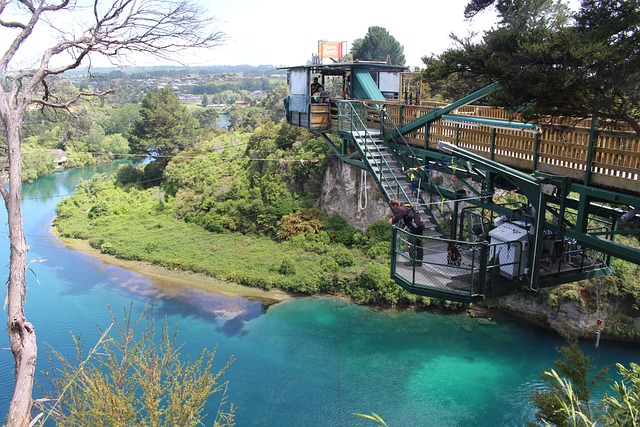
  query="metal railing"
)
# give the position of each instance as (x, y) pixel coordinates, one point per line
(350, 120)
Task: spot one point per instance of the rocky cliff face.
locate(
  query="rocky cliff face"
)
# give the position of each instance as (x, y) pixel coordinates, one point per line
(355, 198)
(568, 317)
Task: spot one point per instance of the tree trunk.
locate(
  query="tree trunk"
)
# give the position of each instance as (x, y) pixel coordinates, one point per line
(21, 333)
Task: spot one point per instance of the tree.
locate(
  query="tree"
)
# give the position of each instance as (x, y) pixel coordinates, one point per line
(207, 118)
(578, 369)
(549, 62)
(165, 127)
(113, 29)
(121, 120)
(204, 101)
(378, 45)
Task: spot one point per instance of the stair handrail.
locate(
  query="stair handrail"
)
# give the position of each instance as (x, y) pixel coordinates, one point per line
(415, 159)
(391, 184)
(397, 133)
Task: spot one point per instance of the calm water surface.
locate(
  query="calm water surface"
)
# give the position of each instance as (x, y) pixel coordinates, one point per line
(304, 362)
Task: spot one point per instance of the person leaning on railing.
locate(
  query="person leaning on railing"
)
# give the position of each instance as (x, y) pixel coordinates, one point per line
(414, 223)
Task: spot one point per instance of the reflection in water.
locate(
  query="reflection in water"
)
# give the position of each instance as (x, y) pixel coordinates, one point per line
(63, 183)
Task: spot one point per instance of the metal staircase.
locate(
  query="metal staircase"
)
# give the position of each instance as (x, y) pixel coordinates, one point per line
(383, 164)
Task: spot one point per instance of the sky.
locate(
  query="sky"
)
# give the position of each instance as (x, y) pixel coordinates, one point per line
(286, 32)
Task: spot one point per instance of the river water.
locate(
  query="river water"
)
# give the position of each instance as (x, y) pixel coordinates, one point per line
(304, 362)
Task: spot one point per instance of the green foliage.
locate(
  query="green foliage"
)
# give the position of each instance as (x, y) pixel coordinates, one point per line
(378, 45)
(221, 189)
(620, 409)
(129, 174)
(37, 162)
(578, 368)
(165, 127)
(565, 293)
(344, 257)
(624, 409)
(379, 231)
(245, 118)
(376, 287)
(206, 117)
(136, 377)
(548, 64)
(273, 104)
(126, 222)
(287, 267)
(78, 155)
(341, 232)
(297, 223)
(380, 250)
(121, 120)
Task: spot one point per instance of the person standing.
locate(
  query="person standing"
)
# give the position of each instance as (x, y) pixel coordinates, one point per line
(414, 223)
(415, 177)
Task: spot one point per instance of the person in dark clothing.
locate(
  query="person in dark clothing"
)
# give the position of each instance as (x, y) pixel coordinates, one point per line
(414, 223)
(316, 90)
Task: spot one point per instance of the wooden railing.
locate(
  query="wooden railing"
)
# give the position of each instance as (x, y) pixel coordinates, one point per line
(562, 147)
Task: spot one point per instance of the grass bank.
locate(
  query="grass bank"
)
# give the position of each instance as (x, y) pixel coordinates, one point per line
(140, 231)
(170, 282)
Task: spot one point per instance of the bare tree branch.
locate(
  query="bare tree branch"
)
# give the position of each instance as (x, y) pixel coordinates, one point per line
(72, 100)
(114, 29)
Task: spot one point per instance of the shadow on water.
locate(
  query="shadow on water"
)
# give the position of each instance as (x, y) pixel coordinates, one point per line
(170, 299)
(230, 314)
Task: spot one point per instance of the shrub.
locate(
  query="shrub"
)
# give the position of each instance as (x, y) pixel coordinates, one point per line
(126, 381)
(98, 210)
(344, 258)
(379, 231)
(128, 174)
(287, 267)
(379, 250)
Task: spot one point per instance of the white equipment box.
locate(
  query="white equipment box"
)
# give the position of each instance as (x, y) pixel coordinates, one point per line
(512, 249)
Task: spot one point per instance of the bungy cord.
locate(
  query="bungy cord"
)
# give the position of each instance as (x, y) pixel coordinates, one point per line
(363, 190)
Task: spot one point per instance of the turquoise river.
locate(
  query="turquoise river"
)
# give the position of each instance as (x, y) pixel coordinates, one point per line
(302, 362)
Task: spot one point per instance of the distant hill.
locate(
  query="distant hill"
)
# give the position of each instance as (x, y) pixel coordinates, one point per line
(177, 69)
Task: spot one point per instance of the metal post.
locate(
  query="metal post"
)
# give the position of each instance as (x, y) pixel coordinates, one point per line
(593, 136)
(536, 152)
(493, 144)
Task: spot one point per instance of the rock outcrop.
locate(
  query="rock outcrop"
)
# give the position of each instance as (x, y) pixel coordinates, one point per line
(352, 194)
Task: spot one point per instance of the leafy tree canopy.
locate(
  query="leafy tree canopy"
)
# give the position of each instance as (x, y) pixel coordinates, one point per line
(165, 126)
(378, 45)
(551, 61)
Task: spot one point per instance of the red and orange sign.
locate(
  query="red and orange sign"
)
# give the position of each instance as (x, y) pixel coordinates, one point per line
(330, 49)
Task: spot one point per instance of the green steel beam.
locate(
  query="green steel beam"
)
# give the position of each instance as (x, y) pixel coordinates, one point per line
(606, 195)
(611, 248)
(527, 184)
(491, 122)
(435, 115)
